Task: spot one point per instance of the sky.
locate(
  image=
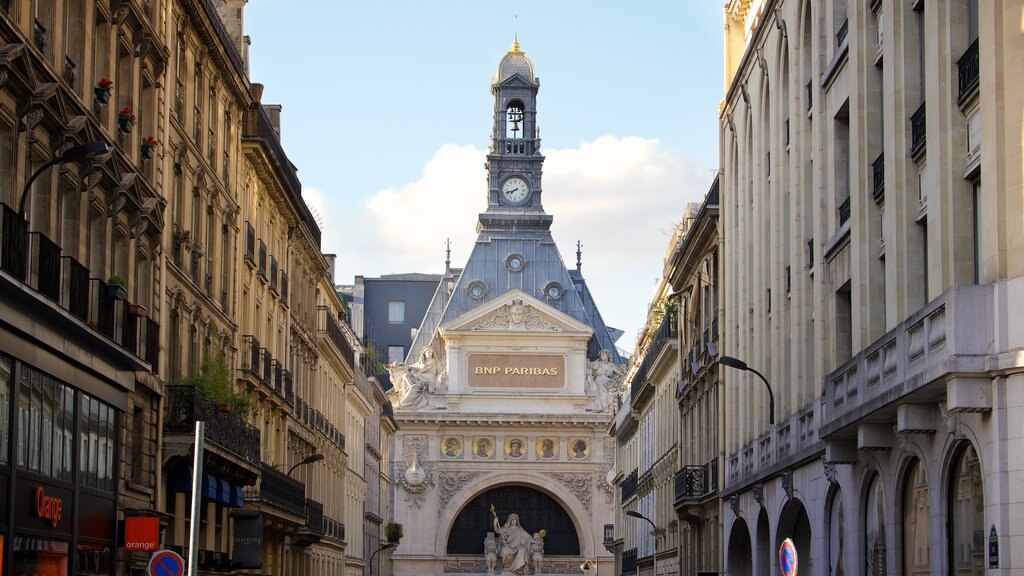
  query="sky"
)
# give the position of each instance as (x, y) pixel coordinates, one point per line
(386, 111)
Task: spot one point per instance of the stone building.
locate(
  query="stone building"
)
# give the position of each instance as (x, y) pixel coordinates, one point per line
(170, 276)
(667, 462)
(871, 270)
(494, 403)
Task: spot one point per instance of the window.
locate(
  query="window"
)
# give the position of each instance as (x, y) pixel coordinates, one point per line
(396, 354)
(46, 419)
(874, 530)
(916, 522)
(967, 515)
(396, 311)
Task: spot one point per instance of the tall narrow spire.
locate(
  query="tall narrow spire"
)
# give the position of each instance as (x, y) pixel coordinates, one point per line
(447, 256)
(579, 255)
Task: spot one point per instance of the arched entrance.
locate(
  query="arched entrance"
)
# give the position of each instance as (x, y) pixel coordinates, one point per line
(740, 551)
(536, 510)
(795, 525)
(763, 554)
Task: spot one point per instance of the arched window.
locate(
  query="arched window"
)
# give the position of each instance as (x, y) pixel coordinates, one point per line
(836, 547)
(536, 510)
(514, 120)
(874, 529)
(966, 515)
(916, 522)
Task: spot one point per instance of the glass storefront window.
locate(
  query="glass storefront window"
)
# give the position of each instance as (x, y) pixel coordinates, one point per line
(45, 422)
(874, 528)
(38, 557)
(5, 407)
(96, 461)
(93, 560)
(967, 515)
(916, 523)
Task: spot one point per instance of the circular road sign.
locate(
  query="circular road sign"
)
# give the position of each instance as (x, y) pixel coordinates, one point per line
(165, 563)
(787, 557)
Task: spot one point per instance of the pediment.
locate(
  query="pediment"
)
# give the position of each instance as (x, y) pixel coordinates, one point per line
(516, 311)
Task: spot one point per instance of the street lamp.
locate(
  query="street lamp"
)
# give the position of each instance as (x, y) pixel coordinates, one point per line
(73, 154)
(741, 365)
(654, 530)
(384, 547)
(307, 460)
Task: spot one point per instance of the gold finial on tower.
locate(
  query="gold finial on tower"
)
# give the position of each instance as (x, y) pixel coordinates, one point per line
(515, 37)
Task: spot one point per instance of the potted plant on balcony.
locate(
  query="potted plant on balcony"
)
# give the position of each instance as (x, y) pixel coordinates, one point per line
(102, 90)
(393, 532)
(197, 251)
(116, 289)
(672, 313)
(137, 310)
(149, 145)
(215, 384)
(125, 120)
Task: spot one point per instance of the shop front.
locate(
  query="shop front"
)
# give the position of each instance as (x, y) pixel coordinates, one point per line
(58, 462)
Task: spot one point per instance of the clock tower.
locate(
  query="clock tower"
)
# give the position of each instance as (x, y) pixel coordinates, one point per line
(514, 161)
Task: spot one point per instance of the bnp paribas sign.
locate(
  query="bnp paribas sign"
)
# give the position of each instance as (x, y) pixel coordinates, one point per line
(516, 371)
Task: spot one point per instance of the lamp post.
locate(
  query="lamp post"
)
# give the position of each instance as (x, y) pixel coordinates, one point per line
(307, 460)
(654, 530)
(741, 365)
(73, 154)
(386, 546)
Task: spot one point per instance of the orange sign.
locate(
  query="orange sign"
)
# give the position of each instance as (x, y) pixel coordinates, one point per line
(141, 533)
(48, 507)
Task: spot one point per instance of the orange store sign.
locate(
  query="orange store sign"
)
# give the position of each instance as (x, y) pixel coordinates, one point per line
(141, 533)
(49, 508)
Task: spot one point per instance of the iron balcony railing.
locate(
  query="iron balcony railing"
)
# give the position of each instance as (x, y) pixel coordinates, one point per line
(265, 364)
(844, 211)
(968, 72)
(334, 529)
(878, 176)
(284, 287)
(289, 394)
(262, 262)
(609, 533)
(14, 247)
(280, 490)
(329, 327)
(665, 333)
(251, 355)
(696, 481)
(629, 485)
(186, 405)
(843, 32)
(917, 130)
(250, 243)
(629, 561)
(314, 516)
(273, 273)
(45, 261)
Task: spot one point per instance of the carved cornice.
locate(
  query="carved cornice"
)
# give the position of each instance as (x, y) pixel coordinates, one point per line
(517, 316)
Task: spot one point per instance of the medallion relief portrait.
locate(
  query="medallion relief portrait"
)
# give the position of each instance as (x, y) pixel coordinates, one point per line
(547, 448)
(451, 447)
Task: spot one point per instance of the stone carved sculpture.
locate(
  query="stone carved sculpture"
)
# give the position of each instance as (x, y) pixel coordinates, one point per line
(491, 553)
(536, 553)
(516, 316)
(420, 384)
(604, 378)
(516, 546)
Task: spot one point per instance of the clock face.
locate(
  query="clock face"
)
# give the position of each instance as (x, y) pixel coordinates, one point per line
(515, 190)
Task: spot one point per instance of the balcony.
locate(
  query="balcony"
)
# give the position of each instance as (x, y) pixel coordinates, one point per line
(284, 287)
(918, 358)
(696, 481)
(229, 432)
(279, 490)
(261, 263)
(251, 356)
(968, 73)
(664, 336)
(629, 485)
(273, 273)
(844, 211)
(313, 531)
(58, 289)
(842, 33)
(917, 131)
(334, 529)
(250, 243)
(328, 327)
(878, 177)
(629, 561)
(789, 442)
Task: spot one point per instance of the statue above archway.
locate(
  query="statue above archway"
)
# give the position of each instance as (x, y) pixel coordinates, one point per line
(514, 551)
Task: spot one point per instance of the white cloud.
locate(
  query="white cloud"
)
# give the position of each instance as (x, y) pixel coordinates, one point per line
(621, 197)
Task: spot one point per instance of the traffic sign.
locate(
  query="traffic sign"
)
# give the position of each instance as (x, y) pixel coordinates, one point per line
(787, 557)
(165, 563)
